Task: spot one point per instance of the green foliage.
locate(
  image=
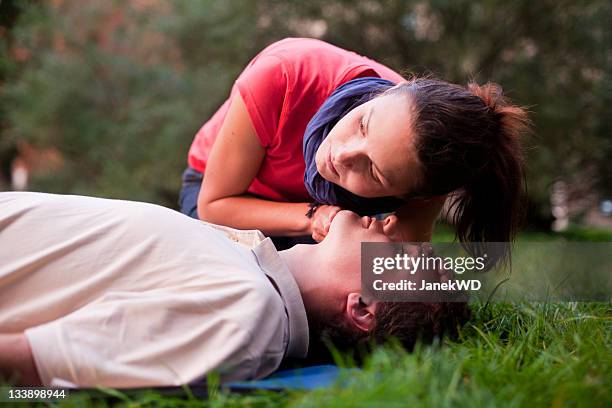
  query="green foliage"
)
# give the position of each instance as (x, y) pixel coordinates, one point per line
(579, 233)
(121, 101)
(551, 56)
(522, 355)
(511, 355)
(120, 89)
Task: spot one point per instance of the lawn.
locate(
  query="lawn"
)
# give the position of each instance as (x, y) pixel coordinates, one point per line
(509, 354)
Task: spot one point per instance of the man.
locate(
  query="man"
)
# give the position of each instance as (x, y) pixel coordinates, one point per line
(98, 292)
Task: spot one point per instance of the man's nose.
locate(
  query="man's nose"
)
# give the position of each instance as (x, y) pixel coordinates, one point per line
(391, 228)
(350, 153)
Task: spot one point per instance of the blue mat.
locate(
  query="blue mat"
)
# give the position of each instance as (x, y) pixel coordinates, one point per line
(306, 378)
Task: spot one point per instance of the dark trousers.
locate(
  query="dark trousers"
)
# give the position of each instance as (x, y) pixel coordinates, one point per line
(188, 197)
(188, 204)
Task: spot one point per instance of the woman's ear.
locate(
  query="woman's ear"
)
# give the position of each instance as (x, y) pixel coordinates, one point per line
(360, 313)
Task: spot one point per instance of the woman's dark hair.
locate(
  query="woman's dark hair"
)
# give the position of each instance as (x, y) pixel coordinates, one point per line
(468, 142)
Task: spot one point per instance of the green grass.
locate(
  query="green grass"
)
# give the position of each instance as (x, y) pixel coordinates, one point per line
(522, 354)
(580, 233)
(527, 355)
(445, 233)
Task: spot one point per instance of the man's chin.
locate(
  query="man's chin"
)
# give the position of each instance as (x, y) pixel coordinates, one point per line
(343, 216)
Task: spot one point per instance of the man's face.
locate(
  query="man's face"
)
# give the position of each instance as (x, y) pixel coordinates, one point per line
(336, 280)
(342, 245)
(347, 226)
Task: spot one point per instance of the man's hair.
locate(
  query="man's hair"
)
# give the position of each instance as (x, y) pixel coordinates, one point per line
(407, 322)
(410, 322)
(438, 316)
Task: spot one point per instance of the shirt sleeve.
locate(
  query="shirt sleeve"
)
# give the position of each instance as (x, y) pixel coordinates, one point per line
(154, 338)
(264, 86)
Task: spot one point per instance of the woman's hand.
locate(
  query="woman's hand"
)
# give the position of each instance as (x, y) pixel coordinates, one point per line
(321, 220)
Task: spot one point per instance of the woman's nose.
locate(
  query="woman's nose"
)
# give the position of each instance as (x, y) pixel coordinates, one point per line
(349, 154)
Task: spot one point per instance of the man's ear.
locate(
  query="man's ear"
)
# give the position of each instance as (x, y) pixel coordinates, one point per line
(360, 312)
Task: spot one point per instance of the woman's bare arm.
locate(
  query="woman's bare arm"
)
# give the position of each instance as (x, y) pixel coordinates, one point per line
(232, 165)
(16, 360)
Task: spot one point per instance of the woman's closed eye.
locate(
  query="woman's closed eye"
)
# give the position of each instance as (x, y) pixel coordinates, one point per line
(363, 130)
(373, 173)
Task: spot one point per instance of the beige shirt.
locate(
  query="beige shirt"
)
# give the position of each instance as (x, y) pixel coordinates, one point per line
(125, 294)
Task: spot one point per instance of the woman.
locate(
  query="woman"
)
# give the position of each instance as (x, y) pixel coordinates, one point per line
(310, 128)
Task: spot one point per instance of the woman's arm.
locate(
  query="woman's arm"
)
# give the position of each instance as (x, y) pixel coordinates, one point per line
(416, 219)
(16, 360)
(233, 163)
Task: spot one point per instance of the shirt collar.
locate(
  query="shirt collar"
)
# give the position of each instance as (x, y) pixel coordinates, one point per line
(275, 268)
(247, 238)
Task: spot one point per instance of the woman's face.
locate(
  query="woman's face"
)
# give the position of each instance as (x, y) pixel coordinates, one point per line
(370, 151)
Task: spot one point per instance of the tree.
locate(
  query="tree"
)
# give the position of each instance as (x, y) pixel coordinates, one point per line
(121, 87)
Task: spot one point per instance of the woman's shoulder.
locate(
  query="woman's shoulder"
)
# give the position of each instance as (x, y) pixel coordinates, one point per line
(309, 60)
(300, 46)
(295, 50)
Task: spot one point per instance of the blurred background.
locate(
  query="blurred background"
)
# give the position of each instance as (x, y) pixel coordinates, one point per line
(103, 98)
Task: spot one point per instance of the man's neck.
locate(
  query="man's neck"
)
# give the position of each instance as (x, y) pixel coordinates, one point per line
(300, 260)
